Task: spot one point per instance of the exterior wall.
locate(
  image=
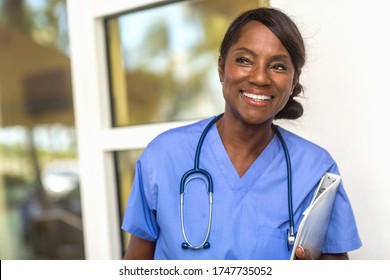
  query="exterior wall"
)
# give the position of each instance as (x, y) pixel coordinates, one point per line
(346, 103)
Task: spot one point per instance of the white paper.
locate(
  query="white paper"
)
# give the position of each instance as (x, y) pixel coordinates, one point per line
(314, 225)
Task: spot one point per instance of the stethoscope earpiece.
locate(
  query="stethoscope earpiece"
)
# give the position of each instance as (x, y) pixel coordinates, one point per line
(186, 246)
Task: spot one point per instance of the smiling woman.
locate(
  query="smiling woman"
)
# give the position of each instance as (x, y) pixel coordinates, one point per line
(243, 155)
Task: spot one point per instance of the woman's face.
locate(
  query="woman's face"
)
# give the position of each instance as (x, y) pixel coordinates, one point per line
(257, 75)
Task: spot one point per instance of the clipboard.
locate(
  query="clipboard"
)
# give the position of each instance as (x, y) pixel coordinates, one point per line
(312, 230)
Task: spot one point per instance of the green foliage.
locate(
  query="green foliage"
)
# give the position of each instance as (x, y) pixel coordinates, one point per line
(46, 24)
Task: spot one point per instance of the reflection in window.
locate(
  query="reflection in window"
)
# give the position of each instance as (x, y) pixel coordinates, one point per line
(40, 211)
(125, 162)
(164, 67)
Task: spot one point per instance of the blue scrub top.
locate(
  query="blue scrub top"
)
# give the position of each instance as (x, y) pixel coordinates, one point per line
(250, 213)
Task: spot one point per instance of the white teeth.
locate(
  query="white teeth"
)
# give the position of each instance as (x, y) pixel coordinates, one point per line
(257, 97)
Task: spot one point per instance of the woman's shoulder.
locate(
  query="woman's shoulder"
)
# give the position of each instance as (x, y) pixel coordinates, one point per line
(300, 144)
(179, 133)
(178, 138)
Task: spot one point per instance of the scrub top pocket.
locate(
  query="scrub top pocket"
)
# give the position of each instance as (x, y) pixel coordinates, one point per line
(271, 244)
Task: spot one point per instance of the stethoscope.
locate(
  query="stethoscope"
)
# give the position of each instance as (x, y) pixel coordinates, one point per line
(198, 173)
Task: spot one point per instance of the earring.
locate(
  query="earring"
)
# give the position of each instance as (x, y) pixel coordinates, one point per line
(221, 82)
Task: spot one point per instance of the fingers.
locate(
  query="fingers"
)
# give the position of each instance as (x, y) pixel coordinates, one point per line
(303, 254)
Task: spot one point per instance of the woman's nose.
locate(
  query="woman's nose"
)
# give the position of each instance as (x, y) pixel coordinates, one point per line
(259, 75)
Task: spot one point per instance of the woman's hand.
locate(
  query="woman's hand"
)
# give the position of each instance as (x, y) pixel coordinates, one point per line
(304, 254)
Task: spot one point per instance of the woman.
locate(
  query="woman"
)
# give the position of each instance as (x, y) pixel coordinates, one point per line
(261, 57)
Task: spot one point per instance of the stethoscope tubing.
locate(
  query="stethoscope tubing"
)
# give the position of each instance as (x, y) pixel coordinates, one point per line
(205, 244)
(187, 177)
(190, 175)
(290, 232)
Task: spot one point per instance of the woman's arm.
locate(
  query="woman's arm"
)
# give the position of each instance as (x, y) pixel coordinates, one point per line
(139, 249)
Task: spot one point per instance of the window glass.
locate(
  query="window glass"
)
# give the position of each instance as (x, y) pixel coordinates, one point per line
(40, 211)
(164, 67)
(126, 164)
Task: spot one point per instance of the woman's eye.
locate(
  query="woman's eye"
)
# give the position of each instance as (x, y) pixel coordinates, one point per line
(279, 67)
(243, 60)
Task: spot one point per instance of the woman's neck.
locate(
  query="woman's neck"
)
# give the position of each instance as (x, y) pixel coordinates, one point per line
(244, 142)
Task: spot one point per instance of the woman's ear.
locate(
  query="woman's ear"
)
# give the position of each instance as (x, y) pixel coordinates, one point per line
(295, 82)
(220, 69)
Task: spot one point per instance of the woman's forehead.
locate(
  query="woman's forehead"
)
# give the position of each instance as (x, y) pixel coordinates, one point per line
(256, 36)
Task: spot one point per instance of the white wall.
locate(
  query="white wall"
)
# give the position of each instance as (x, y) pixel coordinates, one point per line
(347, 103)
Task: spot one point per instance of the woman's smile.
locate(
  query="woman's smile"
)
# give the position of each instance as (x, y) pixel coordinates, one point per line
(256, 98)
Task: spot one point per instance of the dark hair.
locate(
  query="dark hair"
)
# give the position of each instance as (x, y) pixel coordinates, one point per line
(287, 32)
